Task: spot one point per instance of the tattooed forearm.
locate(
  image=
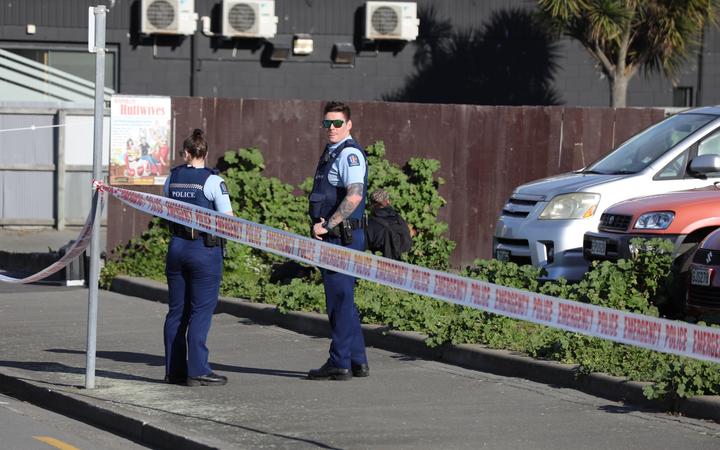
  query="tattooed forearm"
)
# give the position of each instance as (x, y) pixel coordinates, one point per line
(347, 206)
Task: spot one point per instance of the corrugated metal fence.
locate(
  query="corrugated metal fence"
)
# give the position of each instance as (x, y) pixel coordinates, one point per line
(46, 165)
(485, 151)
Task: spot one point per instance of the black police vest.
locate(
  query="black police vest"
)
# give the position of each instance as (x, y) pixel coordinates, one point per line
(325, 198)
(187, 183)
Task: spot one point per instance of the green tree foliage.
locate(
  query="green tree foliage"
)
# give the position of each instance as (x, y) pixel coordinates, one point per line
(625, 36)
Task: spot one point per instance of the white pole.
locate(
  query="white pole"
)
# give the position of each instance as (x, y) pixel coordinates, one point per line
(100, 13)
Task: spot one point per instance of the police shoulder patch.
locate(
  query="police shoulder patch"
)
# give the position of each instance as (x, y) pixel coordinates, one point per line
(353, 160)
(223, 188)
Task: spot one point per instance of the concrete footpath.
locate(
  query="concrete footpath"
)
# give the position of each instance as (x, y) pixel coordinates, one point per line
(407, 402)
(41, 240)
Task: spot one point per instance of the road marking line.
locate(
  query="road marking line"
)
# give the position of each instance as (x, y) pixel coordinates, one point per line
(55, 443)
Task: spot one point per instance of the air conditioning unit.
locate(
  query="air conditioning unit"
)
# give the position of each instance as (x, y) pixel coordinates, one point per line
(391, 20)
(251, 19)
(168, 17)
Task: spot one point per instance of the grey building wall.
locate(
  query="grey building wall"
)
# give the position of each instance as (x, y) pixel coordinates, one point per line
(224, 68)
(710, 93)
(581, 84)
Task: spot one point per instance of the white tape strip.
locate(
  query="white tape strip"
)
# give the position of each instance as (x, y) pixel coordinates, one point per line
(663, 335)
(73, 252)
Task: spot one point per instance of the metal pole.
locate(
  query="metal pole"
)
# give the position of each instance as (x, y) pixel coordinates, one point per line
(698, 94)
(193, 64)
(100, 13)
(60, 170)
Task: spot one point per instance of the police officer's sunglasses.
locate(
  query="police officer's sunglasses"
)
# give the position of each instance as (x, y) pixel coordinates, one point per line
(337, 123)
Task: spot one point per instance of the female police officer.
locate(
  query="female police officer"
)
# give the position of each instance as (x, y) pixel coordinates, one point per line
(193, 269)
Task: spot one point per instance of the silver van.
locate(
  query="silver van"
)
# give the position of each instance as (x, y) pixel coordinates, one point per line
(544, 221)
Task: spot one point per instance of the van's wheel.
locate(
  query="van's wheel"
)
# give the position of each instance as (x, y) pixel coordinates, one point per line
(676, 284)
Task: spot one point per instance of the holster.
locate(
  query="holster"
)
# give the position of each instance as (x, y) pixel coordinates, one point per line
(223, 245)
(184, 232)
(210, 240)
(345, 228)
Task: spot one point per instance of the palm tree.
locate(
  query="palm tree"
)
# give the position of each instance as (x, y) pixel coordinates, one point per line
(624, 36)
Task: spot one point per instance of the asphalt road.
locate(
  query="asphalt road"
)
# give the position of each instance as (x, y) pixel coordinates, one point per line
(26, 427)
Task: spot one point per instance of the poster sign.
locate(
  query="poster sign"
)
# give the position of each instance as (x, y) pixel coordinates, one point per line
(140, 139)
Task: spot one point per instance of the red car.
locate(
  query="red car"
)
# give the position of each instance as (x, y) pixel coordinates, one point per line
(684, 218)
(703, 293)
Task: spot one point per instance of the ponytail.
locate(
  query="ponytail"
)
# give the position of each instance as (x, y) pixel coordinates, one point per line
(196, 145)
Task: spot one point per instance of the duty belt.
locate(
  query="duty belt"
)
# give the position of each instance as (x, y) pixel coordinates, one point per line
(354, 224)
(210, 240)
(185, 232)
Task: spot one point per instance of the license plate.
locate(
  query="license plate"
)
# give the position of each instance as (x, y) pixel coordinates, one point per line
(502, 255)
(700, 277)
(598, 247)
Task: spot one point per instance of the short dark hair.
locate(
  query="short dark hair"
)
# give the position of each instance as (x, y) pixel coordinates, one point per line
(337, 107)
(196, 145)
(380, 197)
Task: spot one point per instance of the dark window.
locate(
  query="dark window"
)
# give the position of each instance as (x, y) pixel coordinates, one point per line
(683, 96)
(76, 62)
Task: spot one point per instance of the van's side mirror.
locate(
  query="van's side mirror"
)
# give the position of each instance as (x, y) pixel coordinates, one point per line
(705, 164)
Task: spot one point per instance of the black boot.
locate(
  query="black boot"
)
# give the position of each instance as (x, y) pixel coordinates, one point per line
(360, 370)
(175, 379)
(330, 372)
(211, 379)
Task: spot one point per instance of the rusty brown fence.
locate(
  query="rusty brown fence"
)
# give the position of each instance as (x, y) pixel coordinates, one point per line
(484, 151)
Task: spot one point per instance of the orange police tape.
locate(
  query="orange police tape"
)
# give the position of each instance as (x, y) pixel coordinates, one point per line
(663, 335)
(79, 246)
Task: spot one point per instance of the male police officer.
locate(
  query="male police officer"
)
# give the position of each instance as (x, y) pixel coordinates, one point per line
(337, 205)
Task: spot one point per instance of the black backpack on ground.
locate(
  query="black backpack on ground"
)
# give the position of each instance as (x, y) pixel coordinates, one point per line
(388, 233)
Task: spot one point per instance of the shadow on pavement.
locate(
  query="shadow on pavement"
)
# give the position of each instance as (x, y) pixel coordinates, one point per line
(129, 357)
(159, 361)
(54, 367)
(625, 409)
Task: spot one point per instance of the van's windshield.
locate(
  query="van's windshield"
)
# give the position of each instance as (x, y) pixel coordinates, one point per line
(643, 149)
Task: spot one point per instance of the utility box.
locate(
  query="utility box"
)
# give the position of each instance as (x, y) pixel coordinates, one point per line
(249, 19)
(391, 21)
(168, 17)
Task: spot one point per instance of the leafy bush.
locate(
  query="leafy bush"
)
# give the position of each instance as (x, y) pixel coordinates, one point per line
(261, 199)
(637, 284)
(144, 256)
(413, 191)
